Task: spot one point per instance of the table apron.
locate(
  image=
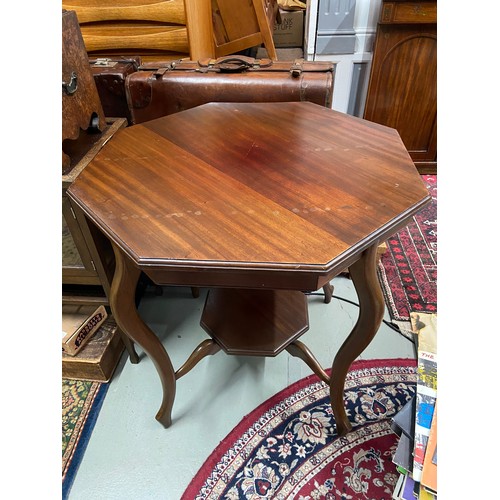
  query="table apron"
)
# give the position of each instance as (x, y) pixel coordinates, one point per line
(274, 280)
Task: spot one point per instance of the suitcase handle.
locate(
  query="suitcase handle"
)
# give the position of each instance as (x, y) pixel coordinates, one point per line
(233, 64)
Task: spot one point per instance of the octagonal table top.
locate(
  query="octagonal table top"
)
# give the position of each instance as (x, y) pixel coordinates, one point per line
(265, 186)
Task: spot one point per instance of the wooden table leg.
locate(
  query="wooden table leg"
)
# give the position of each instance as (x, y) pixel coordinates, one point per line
(122, 301)
(371, 311)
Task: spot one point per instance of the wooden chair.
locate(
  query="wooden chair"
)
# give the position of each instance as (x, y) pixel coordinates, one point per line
(174, 29)
(225, 27)
(152, 29)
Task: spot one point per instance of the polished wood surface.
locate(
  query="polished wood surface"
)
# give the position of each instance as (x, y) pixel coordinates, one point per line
(371, 312)
(402, 91)
(262, 196)
(200, 28)
(406, 12)
(122, 300)
(152, 29)
(294, 187)
(161, 11)
(90, 263)
(255, 322)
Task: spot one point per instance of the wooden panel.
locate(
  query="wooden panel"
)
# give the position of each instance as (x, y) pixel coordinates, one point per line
(81, 106)
(76, 256)
(409, 12)
(167, 11)
(239, 18)
(266, 11)
(402, 92)
(135, 38)
(200, 29)
(88, 267)
(254, 322)
(239, 25)
(154, 29)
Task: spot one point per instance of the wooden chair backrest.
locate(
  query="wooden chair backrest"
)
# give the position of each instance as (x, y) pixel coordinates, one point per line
(152, 29)
(174, 29)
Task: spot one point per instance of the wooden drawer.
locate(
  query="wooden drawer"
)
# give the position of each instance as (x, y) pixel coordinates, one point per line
(408, 12)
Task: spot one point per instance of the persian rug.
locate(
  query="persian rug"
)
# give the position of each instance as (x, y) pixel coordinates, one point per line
(408, 269)
(81, 403)
(288, 447)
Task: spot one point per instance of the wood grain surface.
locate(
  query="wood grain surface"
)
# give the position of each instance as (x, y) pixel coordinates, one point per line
(402, 92)
(273, 186)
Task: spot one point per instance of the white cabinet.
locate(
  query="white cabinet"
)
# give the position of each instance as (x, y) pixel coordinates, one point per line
(343, 32)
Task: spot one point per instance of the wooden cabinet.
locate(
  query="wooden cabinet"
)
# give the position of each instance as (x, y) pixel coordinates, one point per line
(402, 92)
(87, 258)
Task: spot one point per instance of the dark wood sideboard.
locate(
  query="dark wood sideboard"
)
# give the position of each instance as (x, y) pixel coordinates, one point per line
(402, 91)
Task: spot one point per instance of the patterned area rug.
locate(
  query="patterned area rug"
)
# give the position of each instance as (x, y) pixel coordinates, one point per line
(288, 447)
(408, 269)
(81, 403)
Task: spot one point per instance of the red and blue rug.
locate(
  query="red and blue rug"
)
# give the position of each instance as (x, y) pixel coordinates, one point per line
(408, 269)
(288, 447)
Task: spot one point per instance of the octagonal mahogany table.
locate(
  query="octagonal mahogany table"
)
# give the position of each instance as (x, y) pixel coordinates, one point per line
(260, 202)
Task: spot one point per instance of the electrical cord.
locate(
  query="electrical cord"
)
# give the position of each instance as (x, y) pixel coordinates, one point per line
(391, 325)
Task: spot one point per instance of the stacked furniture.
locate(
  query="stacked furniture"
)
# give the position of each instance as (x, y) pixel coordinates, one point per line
(174, 29)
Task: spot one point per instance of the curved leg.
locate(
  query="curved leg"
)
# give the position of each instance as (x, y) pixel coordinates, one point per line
(122, 300)
(129, 345)
(371, 311)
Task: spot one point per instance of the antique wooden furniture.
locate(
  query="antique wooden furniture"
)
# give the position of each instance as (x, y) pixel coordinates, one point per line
(84, 132)
(81, 107)
(81, 263)
(81, 140)
(87, 258)
(277, 199)
(153, 29)
(174, 29)
(402, 92)
(238, 26)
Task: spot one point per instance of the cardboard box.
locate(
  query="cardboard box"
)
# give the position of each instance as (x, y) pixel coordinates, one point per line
(98, 359)
(290, 33)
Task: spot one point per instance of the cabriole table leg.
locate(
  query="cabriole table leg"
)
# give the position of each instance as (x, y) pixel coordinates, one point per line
(122, 301)
(371, 311)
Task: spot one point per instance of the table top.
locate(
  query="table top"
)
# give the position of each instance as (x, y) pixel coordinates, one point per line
(254, 186)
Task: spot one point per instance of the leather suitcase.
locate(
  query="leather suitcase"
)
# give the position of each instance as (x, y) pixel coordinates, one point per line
(160, 89)
(109, 75)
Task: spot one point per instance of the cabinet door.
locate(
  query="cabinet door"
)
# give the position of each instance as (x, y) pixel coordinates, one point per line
(77, 263)
(402, 93)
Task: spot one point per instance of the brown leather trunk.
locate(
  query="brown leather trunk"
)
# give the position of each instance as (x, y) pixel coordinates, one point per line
(109, 75)
(160, 89)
